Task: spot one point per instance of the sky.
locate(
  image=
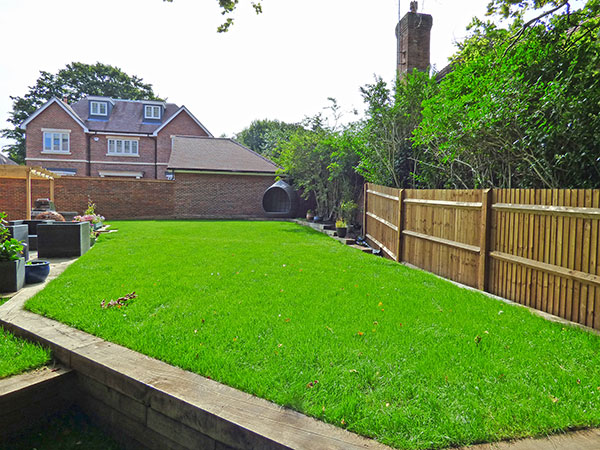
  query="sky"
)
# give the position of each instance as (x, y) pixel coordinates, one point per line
(282, 64)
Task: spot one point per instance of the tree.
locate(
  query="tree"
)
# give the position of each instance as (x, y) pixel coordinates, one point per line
(264, 136)
(389, 156)
(228, 6)
(321, 161)
(520, 112)
(71, 83)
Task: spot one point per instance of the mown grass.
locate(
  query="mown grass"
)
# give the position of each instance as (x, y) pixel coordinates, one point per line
(287, 314)
(17, 355)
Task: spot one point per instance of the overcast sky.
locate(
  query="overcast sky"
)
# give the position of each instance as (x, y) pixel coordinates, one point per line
(282, 64)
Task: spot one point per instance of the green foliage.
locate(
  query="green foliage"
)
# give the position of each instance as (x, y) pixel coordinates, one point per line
(388, 156)
(341, 223)
(520, 108)
(10, 248)
(228, 6)
(71, 83)
(399, 354)
(321, 161)
(521, 113)
(347, 210)
(264, 136)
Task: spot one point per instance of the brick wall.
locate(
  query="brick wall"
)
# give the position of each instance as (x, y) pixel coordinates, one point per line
(220, 196)
(143, 163)
(12, 198)
(54, 117)
(115, 198)
(191, 195)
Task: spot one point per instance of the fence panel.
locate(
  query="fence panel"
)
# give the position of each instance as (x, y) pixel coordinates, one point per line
(538, 247)
(442, 232)
(382, 212)
(545, 251)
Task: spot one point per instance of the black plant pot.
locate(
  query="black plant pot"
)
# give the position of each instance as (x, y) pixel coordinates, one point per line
(36, 271)
(341, 232)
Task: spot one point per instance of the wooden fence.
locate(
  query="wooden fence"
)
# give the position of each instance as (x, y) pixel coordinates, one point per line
(537, 247)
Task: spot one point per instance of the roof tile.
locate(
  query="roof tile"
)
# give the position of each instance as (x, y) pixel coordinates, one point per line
(216, 154)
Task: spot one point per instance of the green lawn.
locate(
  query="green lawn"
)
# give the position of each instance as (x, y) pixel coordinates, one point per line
(286, 313)
(17, 355)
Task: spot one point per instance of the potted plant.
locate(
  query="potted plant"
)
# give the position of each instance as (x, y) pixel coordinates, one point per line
(310, 215)
(36, 271)
(347, 210)
(90, 216)
(12, 264)
(341, 227)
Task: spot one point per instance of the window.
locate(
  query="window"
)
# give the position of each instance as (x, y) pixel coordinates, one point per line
(127, 147)
(56, 141)
(151, 112)
(98, 109)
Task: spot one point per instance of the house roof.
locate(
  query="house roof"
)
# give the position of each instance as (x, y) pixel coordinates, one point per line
(126, 116)
(206, 154)
(5, 160)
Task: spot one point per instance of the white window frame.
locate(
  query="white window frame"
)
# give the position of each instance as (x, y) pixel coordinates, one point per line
(152, 110)
(98, 105)
(120, 173)
(62, 134)
(118, 147)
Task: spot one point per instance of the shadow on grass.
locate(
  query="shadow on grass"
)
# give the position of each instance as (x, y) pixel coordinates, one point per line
(68, 430)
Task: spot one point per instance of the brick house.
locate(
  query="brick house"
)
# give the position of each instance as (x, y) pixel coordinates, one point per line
(218, 178)
(105, 137)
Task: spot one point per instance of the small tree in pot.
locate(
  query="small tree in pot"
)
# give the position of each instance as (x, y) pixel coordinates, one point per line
(12, 264)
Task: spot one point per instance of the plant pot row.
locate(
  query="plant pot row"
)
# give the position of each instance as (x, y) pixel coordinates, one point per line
(14, 274)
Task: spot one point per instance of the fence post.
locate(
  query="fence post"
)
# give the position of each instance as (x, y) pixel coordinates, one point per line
(484, 239)
(364, 228)
(399, 224)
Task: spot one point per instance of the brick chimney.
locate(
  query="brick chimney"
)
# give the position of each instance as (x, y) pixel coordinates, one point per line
(413, 33)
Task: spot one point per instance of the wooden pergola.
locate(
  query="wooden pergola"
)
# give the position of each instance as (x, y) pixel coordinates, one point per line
(29, 173)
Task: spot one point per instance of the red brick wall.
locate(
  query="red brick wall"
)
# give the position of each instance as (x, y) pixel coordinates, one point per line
(54, 117)
(182, 125)
(12, 198)
(189, 196)
(220, 196)
(115, 198)
(99, 152)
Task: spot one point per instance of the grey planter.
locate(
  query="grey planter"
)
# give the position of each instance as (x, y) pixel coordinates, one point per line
(21, 234)
(12, 275)
(32, 225)
(63, 239)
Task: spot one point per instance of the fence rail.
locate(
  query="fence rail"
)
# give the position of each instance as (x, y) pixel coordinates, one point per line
(538, 247)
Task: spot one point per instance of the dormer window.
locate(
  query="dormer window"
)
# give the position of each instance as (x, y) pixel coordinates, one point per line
(98, 108)
(152, 112)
